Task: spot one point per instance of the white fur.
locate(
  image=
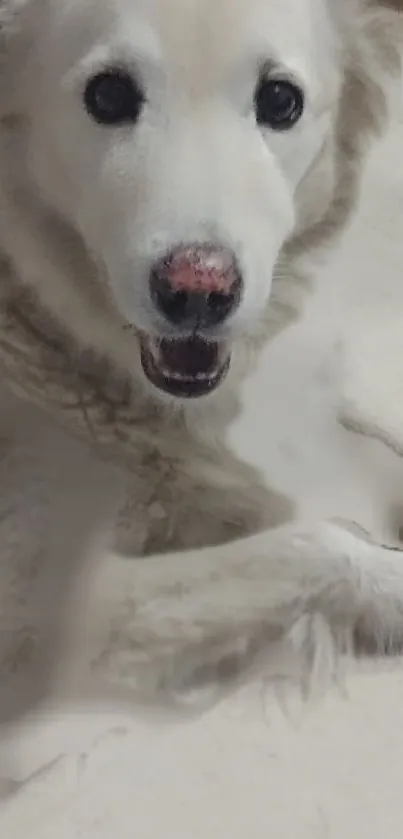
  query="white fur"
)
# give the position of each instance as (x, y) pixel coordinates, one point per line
(84, 212)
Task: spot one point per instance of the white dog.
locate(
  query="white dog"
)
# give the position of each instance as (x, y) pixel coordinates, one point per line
(168, 173)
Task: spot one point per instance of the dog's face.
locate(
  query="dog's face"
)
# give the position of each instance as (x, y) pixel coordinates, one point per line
(174, 138)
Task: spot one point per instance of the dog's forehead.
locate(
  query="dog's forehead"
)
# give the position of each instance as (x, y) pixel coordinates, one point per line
(210, 33)
(220, 26)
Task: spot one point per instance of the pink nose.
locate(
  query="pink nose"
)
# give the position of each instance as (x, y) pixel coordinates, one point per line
(203, 268)
(196, 286)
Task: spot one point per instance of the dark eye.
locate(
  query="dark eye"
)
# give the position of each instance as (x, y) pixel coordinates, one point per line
(278, 104)
(113, 98)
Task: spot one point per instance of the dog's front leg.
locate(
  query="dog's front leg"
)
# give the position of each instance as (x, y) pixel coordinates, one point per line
(207, 619)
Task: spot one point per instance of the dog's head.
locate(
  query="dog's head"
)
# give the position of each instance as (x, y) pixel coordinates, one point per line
(189, 144)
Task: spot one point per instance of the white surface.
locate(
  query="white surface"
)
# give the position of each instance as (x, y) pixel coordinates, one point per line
(238, 773)
(247, 770)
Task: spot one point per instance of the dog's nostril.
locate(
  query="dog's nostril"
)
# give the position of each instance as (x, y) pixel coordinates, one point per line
(171, 303)
(220, 306)
(191, 289)
(192, 309)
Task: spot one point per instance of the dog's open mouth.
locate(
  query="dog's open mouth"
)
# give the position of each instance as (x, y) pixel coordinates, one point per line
(185, 368)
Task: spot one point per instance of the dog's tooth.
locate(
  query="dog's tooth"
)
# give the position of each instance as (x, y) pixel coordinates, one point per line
(176, 376)
(173, 374)
(207, 377)
(154, 348)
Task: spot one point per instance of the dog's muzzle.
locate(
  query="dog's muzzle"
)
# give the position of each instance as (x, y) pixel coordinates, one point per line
(195, 290)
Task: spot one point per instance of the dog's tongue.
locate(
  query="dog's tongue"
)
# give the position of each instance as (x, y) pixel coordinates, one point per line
(189, 358)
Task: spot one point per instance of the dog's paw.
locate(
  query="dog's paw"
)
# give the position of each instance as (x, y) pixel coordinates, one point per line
(364, 611)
